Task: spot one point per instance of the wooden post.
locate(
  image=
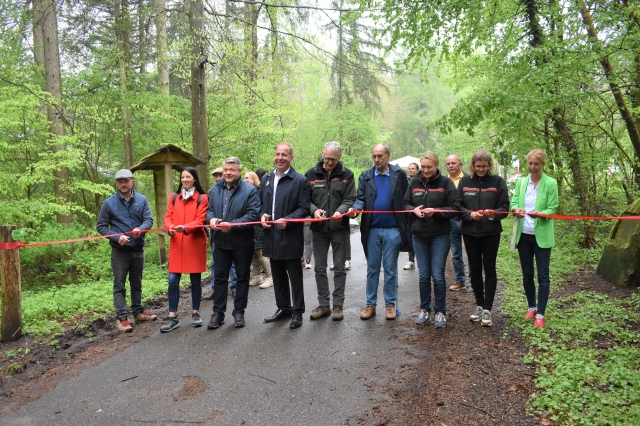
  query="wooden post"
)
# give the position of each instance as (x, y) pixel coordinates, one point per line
(11, 291)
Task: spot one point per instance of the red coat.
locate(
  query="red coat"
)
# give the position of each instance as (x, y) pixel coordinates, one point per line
(188, 250)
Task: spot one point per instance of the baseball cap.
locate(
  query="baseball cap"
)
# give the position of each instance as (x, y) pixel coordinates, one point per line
(217, 171)
(124, 174)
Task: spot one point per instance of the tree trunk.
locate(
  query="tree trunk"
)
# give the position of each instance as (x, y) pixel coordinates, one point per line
(142, 36)
(48, 21)
(122, 25)
(199, 60)
(161, 46)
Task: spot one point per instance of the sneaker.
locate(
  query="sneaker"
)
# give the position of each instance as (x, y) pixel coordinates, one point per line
(390, 312)
(196, 321)
(319, 312)
(208, 296)
(337, 314)
(539, 322)
(477, 315)
(531, 314)
(347, 265)
(216, 321)
(255, 281)
(369, 311)
(170, 324)
(486, 319)
(144, 316)
(268, 282)
(306, 265)
(409, 265)
(124, 325)
(239, 319)
(441, 320)
(457, 286)
(423, 317)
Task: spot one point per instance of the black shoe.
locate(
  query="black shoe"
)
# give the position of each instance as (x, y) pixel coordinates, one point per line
(171, 324)
(279, 315)
(233, 294)
(208, 296)
(216, 321)
(239, 319)
(296, 320)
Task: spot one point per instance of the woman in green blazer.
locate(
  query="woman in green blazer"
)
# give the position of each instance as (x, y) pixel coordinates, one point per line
(535, 194)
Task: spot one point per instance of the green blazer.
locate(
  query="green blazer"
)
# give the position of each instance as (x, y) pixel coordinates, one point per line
(546, 202)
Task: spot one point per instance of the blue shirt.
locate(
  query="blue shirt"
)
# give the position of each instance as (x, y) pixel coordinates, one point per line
(383, 202)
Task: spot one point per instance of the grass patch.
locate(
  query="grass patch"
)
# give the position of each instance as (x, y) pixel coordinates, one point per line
(587, 359)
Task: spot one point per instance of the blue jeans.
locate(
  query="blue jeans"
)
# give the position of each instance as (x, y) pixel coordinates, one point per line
(528, 248)
(431, 255)
(456, 251)
(232, 273)
(384, 247)
(125, 263)
(174, 291)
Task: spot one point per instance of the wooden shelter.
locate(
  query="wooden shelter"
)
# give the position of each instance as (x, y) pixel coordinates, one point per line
(161, 163)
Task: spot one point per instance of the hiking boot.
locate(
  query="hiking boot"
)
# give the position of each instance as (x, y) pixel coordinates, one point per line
(170, 324)
(390, 312)
(255, 281)
(196, 321)
(441, 320)
(319, 312)
(216, 321)
(409, 265)
(337, 314)
(347, 265)
(539, 322)
(124, 325)
(423, 317)
(268, 282)
(144, 316)
(369, 311)
(457, 286)
(486, 319)
(531, 314)
(477, 314)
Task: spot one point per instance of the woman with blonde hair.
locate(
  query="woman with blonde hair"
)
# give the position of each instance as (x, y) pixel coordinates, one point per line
(260, 266)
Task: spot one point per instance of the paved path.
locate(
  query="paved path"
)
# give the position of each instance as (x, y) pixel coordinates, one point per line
(324, 373)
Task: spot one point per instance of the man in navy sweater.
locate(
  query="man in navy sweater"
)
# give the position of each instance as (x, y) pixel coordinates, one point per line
(384, 235)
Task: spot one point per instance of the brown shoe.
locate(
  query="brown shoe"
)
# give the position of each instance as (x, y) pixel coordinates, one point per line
(144, 316)
(390, 312)
(319, 312)
(369, 311)
(124, 325)
(337, 315)
(457, 286)
(255, 281)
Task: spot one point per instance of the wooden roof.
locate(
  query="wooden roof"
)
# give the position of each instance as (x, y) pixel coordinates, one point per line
(177, 157)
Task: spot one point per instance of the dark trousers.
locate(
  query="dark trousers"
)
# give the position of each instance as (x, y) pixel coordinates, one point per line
(528, 249)
(482, 253)
(282, 272)
(223, 259)
(125, 263)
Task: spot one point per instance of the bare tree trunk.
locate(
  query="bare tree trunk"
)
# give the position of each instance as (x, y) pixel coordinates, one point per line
(161, 46)
(199, 123)
(142, 36)
(122, 25)
(48, 21)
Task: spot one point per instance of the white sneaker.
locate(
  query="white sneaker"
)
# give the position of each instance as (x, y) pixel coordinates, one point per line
(477, 314)
(486, 319)
(268, 282)
(307, 265)
(347, 265)
(410, 265)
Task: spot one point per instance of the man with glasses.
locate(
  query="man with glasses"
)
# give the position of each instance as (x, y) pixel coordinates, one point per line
(333, 192)
(454, 167)
(383, 235)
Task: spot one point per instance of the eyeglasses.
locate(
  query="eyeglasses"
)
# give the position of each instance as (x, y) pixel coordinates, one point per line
(481, 167)
(331, 160)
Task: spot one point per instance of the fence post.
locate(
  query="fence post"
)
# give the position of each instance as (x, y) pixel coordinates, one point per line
(11, 291)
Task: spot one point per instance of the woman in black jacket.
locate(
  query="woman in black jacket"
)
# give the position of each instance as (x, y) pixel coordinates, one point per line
(431, 196)
(482, 196)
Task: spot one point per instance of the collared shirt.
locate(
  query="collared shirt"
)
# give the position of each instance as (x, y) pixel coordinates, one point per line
(226, 196)
(530, 206)
(377, 173)
(124, 200)
(456, 180)
(276, 179)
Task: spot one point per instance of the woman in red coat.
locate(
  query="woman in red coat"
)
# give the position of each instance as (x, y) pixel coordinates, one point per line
(187, 209)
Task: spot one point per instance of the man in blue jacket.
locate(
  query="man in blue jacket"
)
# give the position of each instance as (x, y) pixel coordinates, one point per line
(232, 200)
(384, 235)
(127, 211)
(285, 195)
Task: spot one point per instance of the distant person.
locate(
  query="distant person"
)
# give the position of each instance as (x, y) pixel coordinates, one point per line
(535, 194)
(383, 235)
(260, 173)
(185, 216)
(431, 196)
(260, 266)
(454, 167)
(333, 192)
(484, 200)
(232, 200)
(126, 211)
(285, 195)
(413, 171)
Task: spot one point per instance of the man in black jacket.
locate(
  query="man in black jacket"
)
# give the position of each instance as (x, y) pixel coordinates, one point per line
(332, 194)
(285, 195)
